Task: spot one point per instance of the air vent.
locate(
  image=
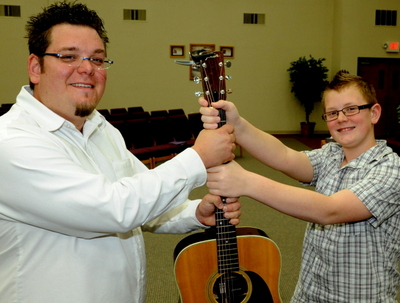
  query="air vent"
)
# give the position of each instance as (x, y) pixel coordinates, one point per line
(135, 14)
(385, 17)
(254, 18)
(10, 10)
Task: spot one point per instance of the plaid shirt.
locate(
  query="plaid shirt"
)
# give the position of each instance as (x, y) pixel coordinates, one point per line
(354, 262)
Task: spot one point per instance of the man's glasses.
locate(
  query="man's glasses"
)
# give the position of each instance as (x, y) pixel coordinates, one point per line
(75, 60)
(347, 111)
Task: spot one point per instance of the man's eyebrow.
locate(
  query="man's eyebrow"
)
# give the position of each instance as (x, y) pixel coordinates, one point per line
(96, 51)
(69, 49)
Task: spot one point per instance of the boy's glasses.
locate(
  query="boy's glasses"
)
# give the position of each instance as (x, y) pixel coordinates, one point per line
(75, 60)
(347, 111)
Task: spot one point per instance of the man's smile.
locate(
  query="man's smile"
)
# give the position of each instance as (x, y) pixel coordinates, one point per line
(82, 85)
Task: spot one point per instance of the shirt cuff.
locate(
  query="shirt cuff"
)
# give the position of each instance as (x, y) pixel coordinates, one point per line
(193, 166)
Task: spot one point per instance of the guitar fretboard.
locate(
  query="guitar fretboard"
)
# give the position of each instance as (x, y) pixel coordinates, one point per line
(227, 251)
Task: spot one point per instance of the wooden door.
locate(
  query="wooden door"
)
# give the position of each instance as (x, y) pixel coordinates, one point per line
(384, 75)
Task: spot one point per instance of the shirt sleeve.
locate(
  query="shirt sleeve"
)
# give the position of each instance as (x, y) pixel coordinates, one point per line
(317, 157)
(42, 185)
(379, 190)
(181, 219)
(374, 178)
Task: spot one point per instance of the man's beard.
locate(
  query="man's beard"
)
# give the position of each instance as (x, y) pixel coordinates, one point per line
(83, 110)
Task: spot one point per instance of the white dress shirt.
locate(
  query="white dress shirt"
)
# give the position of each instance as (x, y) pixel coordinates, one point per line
(73, 205)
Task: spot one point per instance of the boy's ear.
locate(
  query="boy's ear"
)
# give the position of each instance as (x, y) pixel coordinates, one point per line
(34, 68)
(376, 111)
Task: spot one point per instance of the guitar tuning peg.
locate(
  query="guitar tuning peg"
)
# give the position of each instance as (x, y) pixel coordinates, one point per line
(197, 80)
(198, 94)
(228, 63)
(229, 91)
(228, 77)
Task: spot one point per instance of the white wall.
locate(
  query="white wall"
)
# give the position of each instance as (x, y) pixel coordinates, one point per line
(145, 75)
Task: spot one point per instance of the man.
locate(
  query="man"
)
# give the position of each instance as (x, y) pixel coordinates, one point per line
(351, 247)
(73, 200)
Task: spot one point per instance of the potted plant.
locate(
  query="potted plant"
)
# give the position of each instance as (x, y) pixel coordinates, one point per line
(309, 79)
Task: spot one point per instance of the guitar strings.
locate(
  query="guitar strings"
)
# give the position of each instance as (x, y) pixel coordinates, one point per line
(227, 287)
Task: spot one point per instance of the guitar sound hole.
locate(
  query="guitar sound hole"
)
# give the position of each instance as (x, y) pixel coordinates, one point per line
(230, 288)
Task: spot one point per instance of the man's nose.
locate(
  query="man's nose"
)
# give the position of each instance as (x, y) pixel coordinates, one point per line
(86, 64)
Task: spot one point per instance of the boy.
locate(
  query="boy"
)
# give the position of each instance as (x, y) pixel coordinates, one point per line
(351, 246)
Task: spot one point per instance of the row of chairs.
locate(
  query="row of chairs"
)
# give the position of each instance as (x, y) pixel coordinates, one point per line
(157, 135)
(120, 114)
(154, 137)
(139, 109)
(5, 107)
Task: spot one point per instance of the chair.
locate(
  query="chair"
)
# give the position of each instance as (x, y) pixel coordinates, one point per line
(120, 110)
(121, 126)
(177, 111)
(156, 160)
(148, 162)
(195, 123)
(135, 109)
(142, 142)
(104, 112)
(139, 115)
(160, 130)
(180, 129)
(139, 133)
(159, 113)
(6, 106)
(164, 139)
(118, 117)
(240, 150)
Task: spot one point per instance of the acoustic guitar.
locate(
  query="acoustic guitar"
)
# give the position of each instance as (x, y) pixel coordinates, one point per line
(225, 264)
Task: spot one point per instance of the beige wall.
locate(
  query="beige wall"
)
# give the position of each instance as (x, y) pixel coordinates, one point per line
(144, 74)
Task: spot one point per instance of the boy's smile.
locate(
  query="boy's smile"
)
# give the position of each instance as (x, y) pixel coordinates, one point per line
(356, 132)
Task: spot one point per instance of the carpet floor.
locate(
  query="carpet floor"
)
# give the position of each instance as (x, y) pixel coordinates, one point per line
(285, 231)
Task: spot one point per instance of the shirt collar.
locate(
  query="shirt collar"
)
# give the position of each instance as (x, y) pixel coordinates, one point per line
(375, 153)
(45, 117)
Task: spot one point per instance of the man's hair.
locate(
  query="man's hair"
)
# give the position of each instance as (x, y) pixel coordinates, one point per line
(343, 79)
(39, 26)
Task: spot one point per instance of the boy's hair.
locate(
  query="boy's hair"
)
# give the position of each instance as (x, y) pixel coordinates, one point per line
(39, 26)
(344, 79)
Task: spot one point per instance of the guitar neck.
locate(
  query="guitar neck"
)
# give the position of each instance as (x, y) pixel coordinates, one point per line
(227, 251)
(212, 70)
(222, 116)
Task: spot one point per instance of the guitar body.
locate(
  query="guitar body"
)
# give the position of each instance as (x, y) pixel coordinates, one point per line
(257, 280)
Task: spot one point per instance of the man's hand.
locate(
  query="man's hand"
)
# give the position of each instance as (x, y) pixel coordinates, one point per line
(216, 146)
(205, 212)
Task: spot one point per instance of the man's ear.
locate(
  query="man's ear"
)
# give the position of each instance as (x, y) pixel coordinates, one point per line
(376, 111)
(34, 68)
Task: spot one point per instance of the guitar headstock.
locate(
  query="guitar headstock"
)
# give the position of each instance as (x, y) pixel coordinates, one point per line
(212, 69)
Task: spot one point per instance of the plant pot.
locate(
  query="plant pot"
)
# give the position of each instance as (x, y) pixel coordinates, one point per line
(307, 129)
